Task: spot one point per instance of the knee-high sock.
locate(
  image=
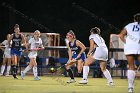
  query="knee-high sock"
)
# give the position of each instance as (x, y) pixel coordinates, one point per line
(35, 71)
(70, 73)
(8, 70)
(2, 69)
(85, 72)
(14, 70)
(131, 78)
(107, 75)
(26, 69)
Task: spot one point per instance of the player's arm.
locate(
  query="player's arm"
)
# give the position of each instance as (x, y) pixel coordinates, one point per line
(123, 34)
(1, 47)
(24, 41)
(41, 47)
(69, 52)
(91, 47)
(82, 46)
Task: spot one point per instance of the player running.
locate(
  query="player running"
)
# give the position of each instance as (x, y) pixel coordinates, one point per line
(34, 45)
(18, 40)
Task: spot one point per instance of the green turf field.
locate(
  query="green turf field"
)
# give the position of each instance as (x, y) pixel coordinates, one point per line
(57, 84)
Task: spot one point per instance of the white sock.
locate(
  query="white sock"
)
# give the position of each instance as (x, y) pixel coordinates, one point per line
(107, 75)
(8, 70)
(131, 77)
(26, 69)
(35, 71)
(2, 69)
(85, 72)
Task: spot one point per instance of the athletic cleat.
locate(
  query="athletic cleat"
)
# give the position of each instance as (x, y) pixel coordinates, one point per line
(37, 78)
(7, 75)
(22, 75)
(111, 84)
(71, 81)
(83, 81)
(130, 90)
(15, 77)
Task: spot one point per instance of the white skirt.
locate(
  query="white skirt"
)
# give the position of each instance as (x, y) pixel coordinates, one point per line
(32, 54)
(7, 53)
(101, 53)
(131, 49)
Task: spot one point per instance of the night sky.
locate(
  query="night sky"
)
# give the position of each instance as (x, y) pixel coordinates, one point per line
(59, 16)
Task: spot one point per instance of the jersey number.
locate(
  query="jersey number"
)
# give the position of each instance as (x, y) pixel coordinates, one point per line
(136, 28)
(16, 43)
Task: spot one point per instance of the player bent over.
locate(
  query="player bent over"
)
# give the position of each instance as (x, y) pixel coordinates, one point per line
(76, 55)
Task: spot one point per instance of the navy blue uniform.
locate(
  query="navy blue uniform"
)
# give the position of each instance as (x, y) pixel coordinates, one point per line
(16, 45)
(75, 51)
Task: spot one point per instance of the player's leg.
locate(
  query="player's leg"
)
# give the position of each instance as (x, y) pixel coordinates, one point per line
(18, 60)
(14, 60)
(70, 72)
(80, 67)
(3, 66)
(130, 72)
(8, 66)
(26, 69)
(106, 72)
(35, 69)
(88, 62)
(139, 63)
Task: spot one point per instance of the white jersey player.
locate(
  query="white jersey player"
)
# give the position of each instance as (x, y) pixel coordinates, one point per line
(130, 35)
(97, 51)
(35, 44)
(6, 57)
(100, 50)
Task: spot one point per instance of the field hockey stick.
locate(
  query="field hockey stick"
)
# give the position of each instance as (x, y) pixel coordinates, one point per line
(34, 49)
(68, 63)
(60, 67)
(138, 69)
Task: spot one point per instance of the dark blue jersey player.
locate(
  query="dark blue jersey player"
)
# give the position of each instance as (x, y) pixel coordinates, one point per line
(76, 51)
(18, 40)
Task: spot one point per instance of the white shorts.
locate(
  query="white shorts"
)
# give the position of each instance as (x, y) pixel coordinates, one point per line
(32, 54)
(101, 53)
(131, 49)
(7, 55)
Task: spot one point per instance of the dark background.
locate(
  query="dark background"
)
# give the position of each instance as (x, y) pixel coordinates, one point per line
(59, 16)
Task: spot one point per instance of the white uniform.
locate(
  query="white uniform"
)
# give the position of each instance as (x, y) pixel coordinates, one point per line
(132, 45)
(101, 51)
(34, 44)
(7, 50)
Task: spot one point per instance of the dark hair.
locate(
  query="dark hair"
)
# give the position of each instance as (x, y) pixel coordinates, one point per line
(95, 30)
(16, 26)
(137, 18)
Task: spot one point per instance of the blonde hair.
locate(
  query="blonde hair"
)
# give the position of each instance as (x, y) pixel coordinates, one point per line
(37, 31)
